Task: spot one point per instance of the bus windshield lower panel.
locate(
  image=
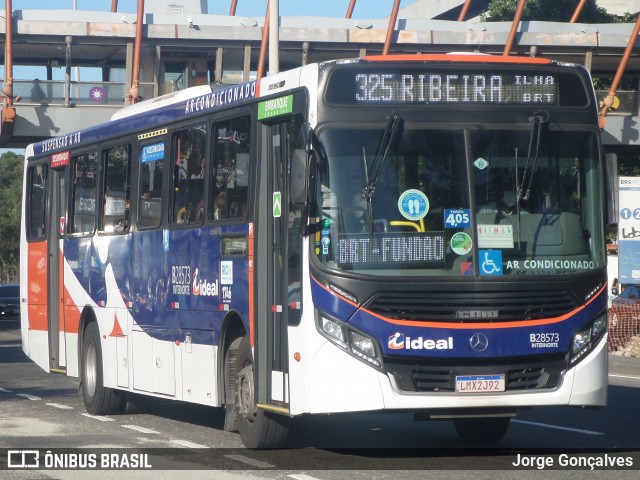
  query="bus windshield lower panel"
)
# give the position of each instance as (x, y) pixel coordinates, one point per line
(422, 201)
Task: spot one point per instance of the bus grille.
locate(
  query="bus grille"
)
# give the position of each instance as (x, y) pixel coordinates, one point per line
(440, 378)
(466, 306)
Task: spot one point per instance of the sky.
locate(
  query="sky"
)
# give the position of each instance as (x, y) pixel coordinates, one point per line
(245, 8)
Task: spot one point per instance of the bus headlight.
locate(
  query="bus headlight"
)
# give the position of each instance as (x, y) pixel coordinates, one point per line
(599, 326)
(586, 339)
(333, 330)
(581, 340)
(363, 344)
(356, 343)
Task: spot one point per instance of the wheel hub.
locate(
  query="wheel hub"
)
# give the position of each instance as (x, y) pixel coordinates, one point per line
(246, 403)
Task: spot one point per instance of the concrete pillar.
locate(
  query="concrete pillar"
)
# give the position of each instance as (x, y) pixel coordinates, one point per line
(219, 53)
(246, 64)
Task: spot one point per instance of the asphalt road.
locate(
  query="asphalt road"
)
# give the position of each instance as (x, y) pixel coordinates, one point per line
(42, 412)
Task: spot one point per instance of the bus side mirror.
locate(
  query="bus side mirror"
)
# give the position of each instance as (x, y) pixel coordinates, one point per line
(298, 187)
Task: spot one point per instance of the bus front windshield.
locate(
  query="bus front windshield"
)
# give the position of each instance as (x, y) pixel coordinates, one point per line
(411, 199)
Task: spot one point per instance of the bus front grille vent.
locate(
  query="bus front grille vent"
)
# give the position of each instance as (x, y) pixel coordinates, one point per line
(465, 306)
(434, 378)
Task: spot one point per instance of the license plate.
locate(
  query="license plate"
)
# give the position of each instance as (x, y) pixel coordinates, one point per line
(480, 383)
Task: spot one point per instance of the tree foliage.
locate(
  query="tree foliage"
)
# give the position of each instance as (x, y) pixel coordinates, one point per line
(11, 171)
(550, 11)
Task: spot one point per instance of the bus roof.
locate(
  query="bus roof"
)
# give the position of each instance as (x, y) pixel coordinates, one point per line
(460, 57)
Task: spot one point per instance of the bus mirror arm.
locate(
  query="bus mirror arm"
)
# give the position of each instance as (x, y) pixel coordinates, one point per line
(310, 191)
(307, 136)
(302, 184)
(298, 187)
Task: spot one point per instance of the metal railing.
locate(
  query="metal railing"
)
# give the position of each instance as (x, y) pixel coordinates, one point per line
(54, 92)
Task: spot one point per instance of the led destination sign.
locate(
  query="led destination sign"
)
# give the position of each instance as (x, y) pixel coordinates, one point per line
(409, 248)
(455, 85)
(455, 88)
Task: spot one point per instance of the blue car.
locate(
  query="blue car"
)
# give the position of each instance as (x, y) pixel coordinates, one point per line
(9, 303)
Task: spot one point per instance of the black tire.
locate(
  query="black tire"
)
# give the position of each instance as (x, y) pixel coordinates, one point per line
(485, 429)
(98, 399)
(230, 365)
(258, 428)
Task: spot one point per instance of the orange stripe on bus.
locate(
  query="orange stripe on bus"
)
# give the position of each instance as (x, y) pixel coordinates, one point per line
(458, 58)
(62, 292)
(37, 291)
(71, 314)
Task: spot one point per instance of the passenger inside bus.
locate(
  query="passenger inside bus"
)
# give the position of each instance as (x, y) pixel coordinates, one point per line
(220, 206)
(506, 193)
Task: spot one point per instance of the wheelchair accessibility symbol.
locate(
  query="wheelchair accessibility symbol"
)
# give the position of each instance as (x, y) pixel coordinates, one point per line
(490, 262)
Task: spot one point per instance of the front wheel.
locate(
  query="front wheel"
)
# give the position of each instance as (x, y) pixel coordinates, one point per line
(98, 399)
(485, 429)
(258, 428)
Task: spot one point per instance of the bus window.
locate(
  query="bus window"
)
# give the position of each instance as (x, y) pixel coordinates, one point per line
(83, 193)
(115, 201)
(37, 178)
(230, 178)
(190, 153)
(150, 185)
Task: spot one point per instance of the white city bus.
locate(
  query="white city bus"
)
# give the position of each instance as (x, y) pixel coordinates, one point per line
(415, 233)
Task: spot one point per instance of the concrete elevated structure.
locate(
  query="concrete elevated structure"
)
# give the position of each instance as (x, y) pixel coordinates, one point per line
(184, 49)
(450, 9)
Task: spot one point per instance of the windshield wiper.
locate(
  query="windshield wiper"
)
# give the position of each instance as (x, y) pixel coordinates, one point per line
(537, 119)
(392, 132)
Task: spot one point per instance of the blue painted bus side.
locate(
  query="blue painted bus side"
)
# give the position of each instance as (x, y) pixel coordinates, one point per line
(167, 278)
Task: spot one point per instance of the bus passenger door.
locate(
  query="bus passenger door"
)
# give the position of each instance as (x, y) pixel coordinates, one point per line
(55, 271)
(278, 291)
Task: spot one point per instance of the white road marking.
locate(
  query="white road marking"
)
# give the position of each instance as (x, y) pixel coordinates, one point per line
(634, 377)
(4, 390)
(188, 444)
(140, 429)
(60, 406)
(250, 461)
(28, 397)
(302, 476)
(556, 427)
(98, 417)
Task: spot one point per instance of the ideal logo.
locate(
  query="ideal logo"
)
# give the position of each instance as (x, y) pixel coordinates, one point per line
(398, 341)
(202, 287)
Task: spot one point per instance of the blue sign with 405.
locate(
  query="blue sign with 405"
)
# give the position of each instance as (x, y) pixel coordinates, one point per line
(457, 218)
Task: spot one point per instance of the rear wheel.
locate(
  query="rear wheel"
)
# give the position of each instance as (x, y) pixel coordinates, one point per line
(98, 399)
(258, 428)
(485, 429)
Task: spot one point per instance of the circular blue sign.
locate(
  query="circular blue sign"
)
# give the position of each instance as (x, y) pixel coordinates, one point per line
(413, 204)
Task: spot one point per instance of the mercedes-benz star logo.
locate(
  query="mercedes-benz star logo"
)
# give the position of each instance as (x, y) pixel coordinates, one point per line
(479, 342)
